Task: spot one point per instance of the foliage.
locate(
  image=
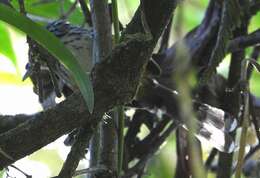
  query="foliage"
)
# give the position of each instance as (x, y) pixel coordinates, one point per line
(155, 115)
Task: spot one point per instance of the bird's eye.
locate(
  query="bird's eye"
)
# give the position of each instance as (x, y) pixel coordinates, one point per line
(27, 66)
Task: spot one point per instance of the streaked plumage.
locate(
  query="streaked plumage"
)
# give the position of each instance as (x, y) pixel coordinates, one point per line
(49, 76)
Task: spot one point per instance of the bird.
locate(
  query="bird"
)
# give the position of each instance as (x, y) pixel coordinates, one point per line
(50, 78)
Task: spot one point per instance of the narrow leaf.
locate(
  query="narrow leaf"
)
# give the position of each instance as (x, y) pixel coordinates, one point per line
(54, 46)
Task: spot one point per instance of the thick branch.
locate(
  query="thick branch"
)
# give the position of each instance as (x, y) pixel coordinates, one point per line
(10, 122)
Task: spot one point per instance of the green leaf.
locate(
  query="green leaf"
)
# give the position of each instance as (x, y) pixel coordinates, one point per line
(54, 46)
(6, 47)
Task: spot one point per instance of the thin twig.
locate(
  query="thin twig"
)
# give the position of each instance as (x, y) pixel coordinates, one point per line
(254, 55)
(22, 7)
(93, 170)
(86, 12)
(61, 4)
(71, 9)
(210, 158)
(242, 42)
(26, 175)
(140, 148)
(245, 91)
(165, 38)
(154, 147)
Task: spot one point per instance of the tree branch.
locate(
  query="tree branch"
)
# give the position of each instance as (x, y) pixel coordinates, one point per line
(76, 153)
(245, 41)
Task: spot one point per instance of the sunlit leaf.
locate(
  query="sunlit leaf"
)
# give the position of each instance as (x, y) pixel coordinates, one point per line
(254, 22)
(254, 83)
(54, 46)
(6, 47)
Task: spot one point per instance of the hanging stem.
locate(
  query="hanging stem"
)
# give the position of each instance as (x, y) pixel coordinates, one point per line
(120, 109)
(121, 125)
(115, 20)
(245, 119)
